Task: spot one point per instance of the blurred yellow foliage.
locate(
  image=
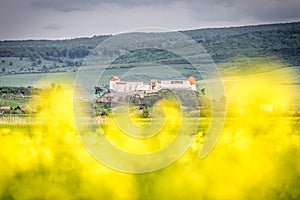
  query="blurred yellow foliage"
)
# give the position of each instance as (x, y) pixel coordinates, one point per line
(255, 158)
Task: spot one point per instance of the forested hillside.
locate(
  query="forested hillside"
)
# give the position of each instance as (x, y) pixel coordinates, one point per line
(225, 45)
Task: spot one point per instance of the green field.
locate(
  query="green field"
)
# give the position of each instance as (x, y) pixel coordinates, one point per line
(12, 102)
(285, 79)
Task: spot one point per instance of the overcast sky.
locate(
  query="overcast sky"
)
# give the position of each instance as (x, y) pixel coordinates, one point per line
(57, 19)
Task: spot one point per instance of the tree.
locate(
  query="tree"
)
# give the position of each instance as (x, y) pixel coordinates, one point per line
(100, 91)
(33, 57)
(146, 112)
(45, 69)
(10, 63)
(3, 70)
(53, 86)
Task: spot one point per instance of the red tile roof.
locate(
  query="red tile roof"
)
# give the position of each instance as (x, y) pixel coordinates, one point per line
(114, 78)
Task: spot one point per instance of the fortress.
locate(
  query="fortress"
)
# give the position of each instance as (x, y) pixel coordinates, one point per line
(118, 89)
(118, 86)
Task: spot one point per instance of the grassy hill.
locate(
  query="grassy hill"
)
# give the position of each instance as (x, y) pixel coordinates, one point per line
(228, 48)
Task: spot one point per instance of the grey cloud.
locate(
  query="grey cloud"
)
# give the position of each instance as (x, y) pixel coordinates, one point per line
(241, 10)
(54, 27)
(64, 5)
(56, 19)
(75, 5)
(275, 10)
(225, 10)
(69, 5)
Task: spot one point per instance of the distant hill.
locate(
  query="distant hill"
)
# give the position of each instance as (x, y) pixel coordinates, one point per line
(234, 45)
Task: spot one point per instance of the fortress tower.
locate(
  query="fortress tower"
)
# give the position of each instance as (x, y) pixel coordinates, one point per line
(192, 81)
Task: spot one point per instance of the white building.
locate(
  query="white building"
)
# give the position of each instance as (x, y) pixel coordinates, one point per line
(176, 84)
(118, 86)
